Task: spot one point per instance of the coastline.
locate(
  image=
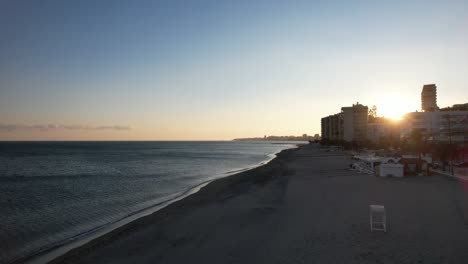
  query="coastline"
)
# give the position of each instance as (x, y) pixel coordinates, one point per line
(56, 252)
(303, 207)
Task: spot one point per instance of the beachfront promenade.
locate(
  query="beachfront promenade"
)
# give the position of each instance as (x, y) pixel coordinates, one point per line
(304, 207)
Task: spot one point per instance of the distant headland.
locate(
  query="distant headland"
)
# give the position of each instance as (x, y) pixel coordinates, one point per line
(304, 137)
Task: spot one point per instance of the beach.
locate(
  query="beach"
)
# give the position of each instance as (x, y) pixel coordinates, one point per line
(305, 206)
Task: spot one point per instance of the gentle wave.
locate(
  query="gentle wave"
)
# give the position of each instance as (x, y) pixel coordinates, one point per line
(43, 209)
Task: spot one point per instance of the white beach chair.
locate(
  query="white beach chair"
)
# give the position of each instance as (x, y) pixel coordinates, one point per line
(378, 218)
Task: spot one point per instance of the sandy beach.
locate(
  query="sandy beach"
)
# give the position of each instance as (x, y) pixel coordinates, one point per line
(303, 207)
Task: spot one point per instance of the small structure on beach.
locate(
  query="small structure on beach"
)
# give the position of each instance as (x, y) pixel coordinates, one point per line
(378, 218)
(390, 170)
(380, 166)
(414, 164)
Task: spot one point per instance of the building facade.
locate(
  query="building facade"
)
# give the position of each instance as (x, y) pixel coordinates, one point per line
(429, 98)
(383, 130)
(437, 126)
(434, 124)
(332, 127)
(355, 120)
(349, 125)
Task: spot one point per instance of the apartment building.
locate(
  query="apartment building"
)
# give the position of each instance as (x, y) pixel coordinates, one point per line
(429, 98)
(355, 120)
(349, 125)
(437, 126)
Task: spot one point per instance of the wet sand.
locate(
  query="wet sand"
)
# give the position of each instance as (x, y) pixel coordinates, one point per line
(303, 207)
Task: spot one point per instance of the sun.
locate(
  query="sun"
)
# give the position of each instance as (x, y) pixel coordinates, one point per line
(394, 106)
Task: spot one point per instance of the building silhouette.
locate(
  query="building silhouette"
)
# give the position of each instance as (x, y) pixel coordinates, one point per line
(429, 98)
(451, 126)
(352, 124)
(355, 122)
(348, 125)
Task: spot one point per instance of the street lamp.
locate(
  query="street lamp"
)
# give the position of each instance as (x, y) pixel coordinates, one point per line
(448, 117)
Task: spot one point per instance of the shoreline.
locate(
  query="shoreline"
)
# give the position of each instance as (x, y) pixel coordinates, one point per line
(305, 206)
(49, 255)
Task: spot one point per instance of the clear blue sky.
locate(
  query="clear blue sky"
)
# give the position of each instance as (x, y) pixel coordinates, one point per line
(220, 69)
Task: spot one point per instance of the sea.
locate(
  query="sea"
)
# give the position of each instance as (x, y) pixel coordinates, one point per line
(54, 193)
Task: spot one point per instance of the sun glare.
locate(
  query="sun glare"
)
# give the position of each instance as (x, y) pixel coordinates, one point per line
(394, 107)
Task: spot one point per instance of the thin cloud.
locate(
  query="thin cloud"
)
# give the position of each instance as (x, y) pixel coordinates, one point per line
(53, 127)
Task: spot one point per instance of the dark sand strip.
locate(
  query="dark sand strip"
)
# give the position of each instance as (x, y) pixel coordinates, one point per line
(303, 207)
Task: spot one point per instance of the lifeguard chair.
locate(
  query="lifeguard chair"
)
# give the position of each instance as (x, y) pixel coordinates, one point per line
(378, 218)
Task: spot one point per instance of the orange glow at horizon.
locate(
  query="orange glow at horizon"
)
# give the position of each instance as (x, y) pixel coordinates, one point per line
(394, 106)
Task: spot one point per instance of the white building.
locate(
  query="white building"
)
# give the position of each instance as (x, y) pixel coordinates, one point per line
(437, 126)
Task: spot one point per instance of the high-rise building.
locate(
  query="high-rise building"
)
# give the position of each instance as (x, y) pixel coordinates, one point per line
(355, 122)
(332, 127)
(349, 125)
(429, 98)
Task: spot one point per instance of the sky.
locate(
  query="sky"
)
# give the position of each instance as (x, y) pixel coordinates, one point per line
(218, 70)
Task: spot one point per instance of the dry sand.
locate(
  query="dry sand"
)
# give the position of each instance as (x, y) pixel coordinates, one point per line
(303, 207)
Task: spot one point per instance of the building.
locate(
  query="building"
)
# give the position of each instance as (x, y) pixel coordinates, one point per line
(332, 127)
(336, 127)
(324, 128)
(456, 107)
(437, 126)
(355, 122)
(429, 98)
(445, 124)
(349, 125)
(384, 129)
(460, 107)
(448, 124)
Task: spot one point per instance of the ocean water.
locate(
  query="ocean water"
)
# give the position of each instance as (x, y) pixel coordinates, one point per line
(53, 192)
